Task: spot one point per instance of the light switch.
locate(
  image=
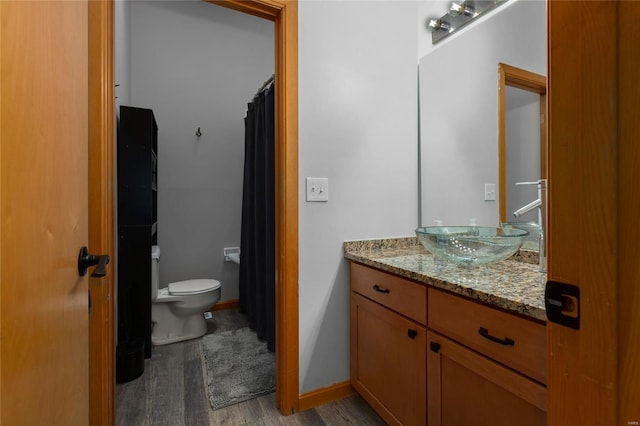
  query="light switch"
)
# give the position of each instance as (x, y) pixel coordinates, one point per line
(489, 191)
(317, 189)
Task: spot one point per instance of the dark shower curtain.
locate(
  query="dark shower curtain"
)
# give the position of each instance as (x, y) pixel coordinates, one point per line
(257, 240)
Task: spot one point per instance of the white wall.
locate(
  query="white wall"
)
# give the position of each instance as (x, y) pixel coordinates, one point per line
(197, 65)
(122, 15)
(358, 127)
(458, 109)
(122, 59)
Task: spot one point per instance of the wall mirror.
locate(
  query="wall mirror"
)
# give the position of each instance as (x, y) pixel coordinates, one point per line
(522, 139)
(459, 125)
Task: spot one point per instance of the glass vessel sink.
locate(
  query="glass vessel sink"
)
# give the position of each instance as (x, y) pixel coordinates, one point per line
(471, 245)
(532, 241)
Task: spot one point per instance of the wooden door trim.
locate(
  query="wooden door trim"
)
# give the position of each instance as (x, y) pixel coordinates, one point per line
(629, 203)
(101, 211)
(526, 80)
(584, 203)
(284, 14)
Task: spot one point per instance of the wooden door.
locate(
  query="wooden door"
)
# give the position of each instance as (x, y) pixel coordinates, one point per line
(466, 388)
(43, 213)
(594, 187)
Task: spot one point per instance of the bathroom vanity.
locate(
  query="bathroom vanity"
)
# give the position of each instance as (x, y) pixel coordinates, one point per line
(436, 344)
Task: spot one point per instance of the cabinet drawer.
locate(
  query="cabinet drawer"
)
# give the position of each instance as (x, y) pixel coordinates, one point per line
(401, 295)
(514, 341)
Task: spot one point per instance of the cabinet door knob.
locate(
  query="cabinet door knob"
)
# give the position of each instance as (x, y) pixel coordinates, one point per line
(412, 333)
(434, 346)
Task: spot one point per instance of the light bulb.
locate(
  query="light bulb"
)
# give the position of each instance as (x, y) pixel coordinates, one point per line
(457, 9)
(438, 24)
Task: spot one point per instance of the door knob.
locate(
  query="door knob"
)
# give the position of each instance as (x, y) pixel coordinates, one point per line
(562, 304)
(85, 260)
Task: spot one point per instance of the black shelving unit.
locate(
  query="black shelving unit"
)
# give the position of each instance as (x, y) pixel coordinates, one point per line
(137, 222)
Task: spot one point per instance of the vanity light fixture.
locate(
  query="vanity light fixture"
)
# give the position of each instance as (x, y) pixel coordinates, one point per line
(460, 13)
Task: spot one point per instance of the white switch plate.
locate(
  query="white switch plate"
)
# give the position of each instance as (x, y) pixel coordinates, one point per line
(489, 191)
(317, 189)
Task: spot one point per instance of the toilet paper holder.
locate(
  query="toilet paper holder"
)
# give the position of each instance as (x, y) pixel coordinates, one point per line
(231, 254)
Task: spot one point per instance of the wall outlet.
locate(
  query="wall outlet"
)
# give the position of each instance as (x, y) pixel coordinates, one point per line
(317, 189)
(489, 191)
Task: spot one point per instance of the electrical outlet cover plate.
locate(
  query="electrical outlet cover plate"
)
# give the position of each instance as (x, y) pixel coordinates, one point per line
(317, 189)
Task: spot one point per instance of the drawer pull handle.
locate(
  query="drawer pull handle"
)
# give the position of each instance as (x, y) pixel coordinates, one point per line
(379, 289)
(412, 333)
(506, 341)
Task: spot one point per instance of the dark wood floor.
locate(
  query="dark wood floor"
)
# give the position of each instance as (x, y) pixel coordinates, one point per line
(172, 392)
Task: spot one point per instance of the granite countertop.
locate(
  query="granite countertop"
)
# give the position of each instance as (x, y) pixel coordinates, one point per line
(513, 284)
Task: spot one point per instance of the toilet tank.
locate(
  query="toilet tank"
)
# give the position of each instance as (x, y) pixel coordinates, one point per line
(155, 269)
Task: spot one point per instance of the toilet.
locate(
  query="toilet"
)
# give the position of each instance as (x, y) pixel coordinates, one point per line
(177, 311)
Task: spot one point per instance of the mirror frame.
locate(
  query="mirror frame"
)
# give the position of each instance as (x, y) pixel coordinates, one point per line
(526, 80)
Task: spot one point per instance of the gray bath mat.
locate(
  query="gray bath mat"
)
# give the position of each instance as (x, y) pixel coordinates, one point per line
(239, 367)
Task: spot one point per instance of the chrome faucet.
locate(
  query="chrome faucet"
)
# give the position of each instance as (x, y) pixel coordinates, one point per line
(542, 185)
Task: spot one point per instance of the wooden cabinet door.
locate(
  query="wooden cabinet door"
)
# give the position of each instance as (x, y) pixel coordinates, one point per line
(388, 362)
(466, 388)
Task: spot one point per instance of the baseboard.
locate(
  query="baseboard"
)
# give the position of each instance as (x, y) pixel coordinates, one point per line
(227, 304)
(325, 395)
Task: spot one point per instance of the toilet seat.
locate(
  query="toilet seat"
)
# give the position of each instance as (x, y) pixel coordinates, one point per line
(193, 287)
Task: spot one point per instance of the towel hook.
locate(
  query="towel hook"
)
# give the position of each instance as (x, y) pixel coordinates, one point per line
(198, 132)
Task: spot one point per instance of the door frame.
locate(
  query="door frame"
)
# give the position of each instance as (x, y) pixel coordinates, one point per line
(628, 171)
(531, 82)
(284, 14)
(101, 211)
